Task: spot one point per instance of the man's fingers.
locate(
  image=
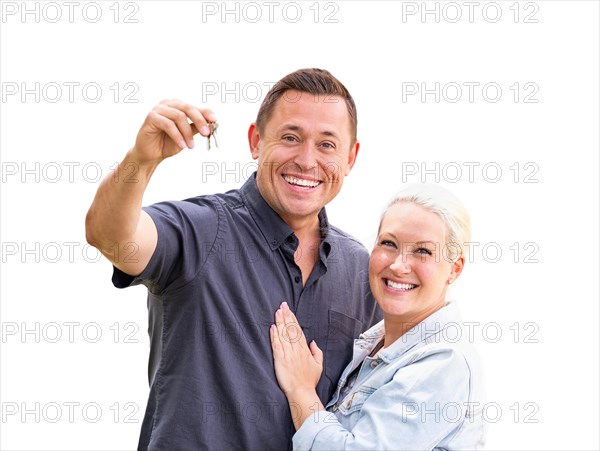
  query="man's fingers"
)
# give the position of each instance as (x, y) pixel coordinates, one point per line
(199, 117)
(168, 127)
(202, 118)
(181, 122)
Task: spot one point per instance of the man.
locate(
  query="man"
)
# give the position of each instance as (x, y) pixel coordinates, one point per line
(217, 267)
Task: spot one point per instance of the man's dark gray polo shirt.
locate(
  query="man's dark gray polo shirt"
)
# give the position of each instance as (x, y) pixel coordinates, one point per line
(222, 266)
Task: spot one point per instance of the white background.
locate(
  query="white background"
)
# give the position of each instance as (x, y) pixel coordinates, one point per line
(542, 372)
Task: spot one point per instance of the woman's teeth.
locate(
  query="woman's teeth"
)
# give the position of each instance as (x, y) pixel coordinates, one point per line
(400, 286)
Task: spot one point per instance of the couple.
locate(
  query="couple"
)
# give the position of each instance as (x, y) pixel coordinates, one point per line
(218, 266)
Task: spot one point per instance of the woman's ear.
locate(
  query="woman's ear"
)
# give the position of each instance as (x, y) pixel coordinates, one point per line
(456, 269)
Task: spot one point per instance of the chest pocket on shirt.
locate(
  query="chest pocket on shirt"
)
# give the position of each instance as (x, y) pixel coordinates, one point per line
(354, 401)
(341, 333)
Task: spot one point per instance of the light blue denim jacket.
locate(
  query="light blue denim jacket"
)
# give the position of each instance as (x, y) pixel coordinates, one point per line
(423, 392)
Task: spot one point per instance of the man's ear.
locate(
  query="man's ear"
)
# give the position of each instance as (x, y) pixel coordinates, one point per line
(253, 140)
(352, 156)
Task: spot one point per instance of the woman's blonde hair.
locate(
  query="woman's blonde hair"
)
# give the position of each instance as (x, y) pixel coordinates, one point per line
(445, 204)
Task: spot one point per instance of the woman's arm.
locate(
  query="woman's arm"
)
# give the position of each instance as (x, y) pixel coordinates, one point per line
(298, 367)
(422, 405)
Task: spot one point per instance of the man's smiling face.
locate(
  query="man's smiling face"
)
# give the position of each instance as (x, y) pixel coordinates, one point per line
(305, 151)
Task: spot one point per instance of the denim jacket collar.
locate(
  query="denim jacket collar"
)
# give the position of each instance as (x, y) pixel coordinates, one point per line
(431, 325)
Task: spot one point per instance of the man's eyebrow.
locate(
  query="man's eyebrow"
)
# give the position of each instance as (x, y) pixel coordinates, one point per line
(292, 127)
(329, 133)
(297, 128)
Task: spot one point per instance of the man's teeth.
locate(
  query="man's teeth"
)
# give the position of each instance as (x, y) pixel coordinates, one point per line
(400, 286)
(301, 182)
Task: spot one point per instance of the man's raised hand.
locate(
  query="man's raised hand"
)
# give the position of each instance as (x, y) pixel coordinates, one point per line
(169, 128)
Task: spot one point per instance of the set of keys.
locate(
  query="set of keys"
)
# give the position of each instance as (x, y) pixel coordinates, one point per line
(213, 134)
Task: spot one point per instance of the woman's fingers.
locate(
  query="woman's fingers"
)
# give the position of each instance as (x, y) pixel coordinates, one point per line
(293, 331)
(296, 364)
(281, 332)
(290, 336)
(316, 353)
(289, 332)
(275, 342)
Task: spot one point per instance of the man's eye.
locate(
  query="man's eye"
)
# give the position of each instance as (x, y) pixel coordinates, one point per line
(289, 138)
(328, 145)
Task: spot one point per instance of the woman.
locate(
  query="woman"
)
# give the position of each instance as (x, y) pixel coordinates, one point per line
(414, 381)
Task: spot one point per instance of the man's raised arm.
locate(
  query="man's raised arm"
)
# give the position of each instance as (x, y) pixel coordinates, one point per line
(115, 223)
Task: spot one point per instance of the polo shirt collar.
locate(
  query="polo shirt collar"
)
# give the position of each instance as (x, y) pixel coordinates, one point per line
(274, 229)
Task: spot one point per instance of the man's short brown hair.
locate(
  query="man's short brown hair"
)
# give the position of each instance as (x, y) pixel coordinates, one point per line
(313, 81)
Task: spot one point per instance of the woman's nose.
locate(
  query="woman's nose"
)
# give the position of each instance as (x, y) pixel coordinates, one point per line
(400, 264)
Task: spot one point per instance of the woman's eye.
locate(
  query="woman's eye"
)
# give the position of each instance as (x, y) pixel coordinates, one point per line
(388, 243)
(423, 251)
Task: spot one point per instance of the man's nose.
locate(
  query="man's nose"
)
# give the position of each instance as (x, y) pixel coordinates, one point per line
(307, 155)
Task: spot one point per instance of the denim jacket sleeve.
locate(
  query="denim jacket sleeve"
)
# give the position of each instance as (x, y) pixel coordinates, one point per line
(424, 403)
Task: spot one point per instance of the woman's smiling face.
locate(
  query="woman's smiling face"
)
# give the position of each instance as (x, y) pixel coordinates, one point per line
(409, 271)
